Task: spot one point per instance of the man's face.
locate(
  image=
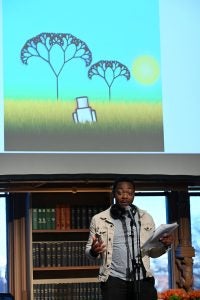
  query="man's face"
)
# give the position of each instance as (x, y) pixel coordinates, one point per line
(124, 193)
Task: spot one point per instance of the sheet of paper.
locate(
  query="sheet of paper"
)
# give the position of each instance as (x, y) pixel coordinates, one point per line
(154, 240)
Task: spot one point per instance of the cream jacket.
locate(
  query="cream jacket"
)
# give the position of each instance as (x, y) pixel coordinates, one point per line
(102, 224)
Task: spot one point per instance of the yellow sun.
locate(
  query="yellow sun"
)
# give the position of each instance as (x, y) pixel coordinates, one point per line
(145, 69)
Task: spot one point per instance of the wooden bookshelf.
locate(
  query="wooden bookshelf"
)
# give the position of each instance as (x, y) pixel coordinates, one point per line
(58, 264)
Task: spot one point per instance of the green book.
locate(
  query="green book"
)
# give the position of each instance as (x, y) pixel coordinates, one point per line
(34, 218)
(53, 218)
(44, 221)
(48, 218)
(39, 218)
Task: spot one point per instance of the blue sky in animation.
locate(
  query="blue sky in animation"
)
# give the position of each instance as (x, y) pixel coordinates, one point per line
(121, 31)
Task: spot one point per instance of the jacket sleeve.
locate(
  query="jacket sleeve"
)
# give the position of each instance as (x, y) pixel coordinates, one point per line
(149, 228)
(92, 232)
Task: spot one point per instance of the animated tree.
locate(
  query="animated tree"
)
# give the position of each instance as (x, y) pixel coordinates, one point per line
(109, 70)
(42, 46)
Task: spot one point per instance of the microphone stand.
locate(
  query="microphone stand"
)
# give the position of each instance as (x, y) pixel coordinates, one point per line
(135, 266)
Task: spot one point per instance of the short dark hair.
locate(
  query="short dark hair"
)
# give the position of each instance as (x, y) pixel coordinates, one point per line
(122, 179)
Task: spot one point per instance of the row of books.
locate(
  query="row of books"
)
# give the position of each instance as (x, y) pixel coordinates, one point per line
(82, 215)
(63, 217)
(67, 291)
(60, 254)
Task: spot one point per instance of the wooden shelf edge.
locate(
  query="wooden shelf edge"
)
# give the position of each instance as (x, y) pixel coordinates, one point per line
(59, 231)
(67, 268)
(65, 280)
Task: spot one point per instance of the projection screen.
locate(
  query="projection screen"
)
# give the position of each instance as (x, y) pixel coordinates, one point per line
(104, 88)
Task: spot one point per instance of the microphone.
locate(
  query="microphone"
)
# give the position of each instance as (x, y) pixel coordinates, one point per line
(131, 214)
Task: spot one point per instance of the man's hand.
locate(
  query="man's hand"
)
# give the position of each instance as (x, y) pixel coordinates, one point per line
(98, 246)
(167, 239)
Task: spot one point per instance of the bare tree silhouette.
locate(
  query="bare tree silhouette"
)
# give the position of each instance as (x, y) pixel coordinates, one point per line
(42, 45)
(109, 70)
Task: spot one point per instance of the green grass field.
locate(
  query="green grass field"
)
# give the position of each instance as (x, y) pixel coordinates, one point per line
(49, 116)
(49, 126)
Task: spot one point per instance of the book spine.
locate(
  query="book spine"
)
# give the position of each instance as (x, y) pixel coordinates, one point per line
(39, 218)
(58, 217)
(58, 254)
(69, 253)
(53, 254)
(48, 218)
(89, 214)
(64, 254)
(84, 217)
(37, 255)
(78, 217)
(48, 254)
(62, 217)
(43, 217)
(33, 254)
(53, 218)
(67, 217)
(73, 217)
(42, 254)
(34, 218)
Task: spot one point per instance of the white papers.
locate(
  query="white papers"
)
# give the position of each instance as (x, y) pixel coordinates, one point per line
(154, 240)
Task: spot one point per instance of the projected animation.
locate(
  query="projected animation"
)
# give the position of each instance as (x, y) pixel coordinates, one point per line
(78, 83)
(43, 45)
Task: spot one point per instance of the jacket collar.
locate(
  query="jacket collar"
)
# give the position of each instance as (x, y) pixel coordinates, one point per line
(105, 215)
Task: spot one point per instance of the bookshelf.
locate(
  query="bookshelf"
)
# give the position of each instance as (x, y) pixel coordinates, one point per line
(59, 228)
